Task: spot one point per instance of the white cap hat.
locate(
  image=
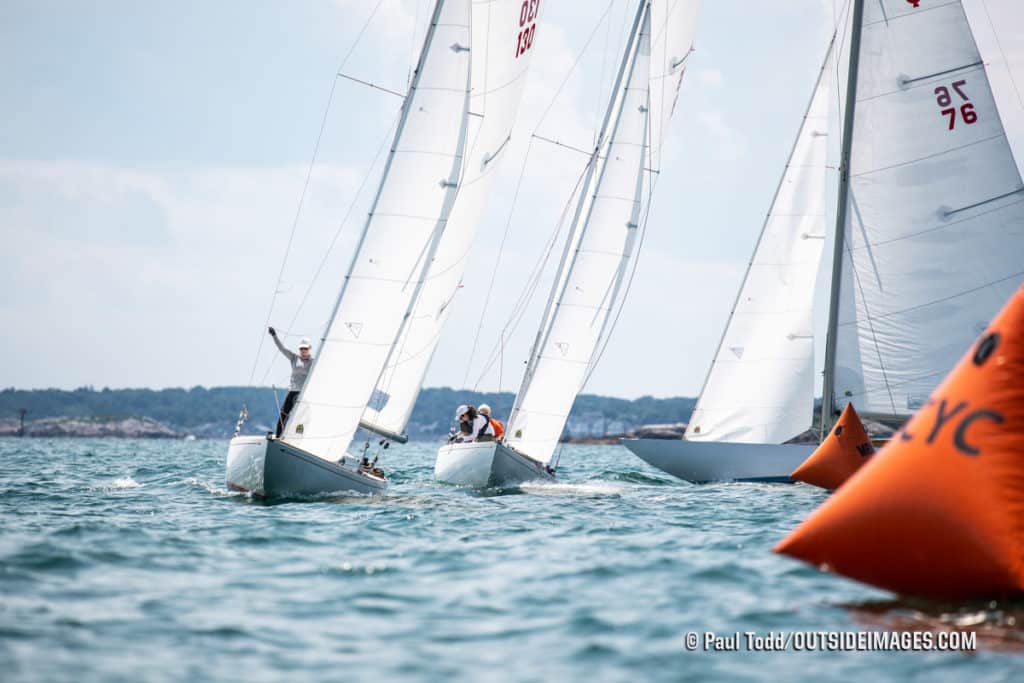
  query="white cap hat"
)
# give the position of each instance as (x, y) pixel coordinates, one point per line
(460, 411)
(304, 344)
(484, 408)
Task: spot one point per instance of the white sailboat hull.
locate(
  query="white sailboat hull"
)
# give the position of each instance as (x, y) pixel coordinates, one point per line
(701, 462)
(487, 464)
(271, 468)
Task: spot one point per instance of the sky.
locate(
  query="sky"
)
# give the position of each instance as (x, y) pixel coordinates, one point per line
(153, 156)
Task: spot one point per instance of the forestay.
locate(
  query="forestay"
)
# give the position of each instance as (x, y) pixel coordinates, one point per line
(598, 251)
(933, 236)
(406, 221)
(499, 75)
(760, 388)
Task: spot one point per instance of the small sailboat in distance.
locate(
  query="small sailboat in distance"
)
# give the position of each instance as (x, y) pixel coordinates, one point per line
(399, 239)
(927, 247)
(609, 212)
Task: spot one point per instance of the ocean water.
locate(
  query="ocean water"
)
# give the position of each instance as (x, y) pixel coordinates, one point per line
(130, 561)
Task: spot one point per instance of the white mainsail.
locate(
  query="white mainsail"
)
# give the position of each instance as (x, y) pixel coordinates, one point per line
(497, 89)
(933, 229)
(405, 224)
(760, 388)
(602, 236)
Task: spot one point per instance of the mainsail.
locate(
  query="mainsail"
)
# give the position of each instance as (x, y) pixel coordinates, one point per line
(400, 237)
(602, 237)
(760, 388)
(497, 90)
(933, 237)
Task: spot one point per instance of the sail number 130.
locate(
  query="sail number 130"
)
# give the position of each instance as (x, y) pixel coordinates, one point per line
(945, 101)
(527, 26)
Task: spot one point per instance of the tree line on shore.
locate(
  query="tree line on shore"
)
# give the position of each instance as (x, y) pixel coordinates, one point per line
(213, 411)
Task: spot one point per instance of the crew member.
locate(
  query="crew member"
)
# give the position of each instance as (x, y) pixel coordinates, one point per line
(300, 363)
(496, 424)
(472, 425)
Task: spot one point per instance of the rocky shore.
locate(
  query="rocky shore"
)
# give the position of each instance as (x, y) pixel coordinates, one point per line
(657, 431)
(127, 428)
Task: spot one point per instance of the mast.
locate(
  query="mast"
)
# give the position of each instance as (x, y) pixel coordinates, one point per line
(628, 58)
(827, 405)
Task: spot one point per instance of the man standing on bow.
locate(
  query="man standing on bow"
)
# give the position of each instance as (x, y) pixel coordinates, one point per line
(300, 363)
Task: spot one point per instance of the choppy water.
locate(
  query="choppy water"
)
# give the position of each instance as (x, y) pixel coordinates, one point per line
(129, 560)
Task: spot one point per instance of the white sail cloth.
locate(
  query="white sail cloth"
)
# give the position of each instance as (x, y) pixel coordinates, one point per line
(760, 388)
(673, 25)
(407, 218)
(606, 221)
(499, 75)
(934, 233)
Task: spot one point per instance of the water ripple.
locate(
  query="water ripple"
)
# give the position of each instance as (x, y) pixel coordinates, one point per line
(130, 560)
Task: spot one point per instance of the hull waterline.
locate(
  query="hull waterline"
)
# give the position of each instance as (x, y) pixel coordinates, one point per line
(701, 462)
(487, 464)
(271, 468)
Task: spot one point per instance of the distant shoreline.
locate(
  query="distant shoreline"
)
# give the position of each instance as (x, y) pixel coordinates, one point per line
(202, 412)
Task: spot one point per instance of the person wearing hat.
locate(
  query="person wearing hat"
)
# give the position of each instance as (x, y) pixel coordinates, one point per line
(472, 426)
(300, 363)
(496, 425)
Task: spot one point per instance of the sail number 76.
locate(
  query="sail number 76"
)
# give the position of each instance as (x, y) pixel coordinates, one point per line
(945, 99)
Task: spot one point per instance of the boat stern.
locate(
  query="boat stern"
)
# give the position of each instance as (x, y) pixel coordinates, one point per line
(246, 464)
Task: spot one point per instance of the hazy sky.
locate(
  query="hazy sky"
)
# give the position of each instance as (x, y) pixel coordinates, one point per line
(152, 156)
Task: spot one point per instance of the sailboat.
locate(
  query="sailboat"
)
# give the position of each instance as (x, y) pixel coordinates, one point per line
(927, 247)
(408, 227)
(608, 214)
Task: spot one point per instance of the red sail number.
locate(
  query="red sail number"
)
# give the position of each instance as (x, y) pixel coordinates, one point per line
(944, 99)
(527, 26)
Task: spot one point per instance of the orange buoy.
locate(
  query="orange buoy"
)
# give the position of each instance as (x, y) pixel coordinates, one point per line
(939, 511)
(843, 451)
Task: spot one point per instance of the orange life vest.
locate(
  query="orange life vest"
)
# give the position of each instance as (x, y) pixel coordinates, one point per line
(499, 429)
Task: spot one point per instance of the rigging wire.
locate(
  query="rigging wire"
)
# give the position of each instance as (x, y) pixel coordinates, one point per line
(522, 173)
(533, 281)
(305, 185)
(494, 271)
(999, 44)
(337, 234)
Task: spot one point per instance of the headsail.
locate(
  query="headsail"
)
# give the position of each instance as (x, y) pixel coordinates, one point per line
(599, 247)
(497, 89)
(933, 237)
(405, 224)
(760, 388)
